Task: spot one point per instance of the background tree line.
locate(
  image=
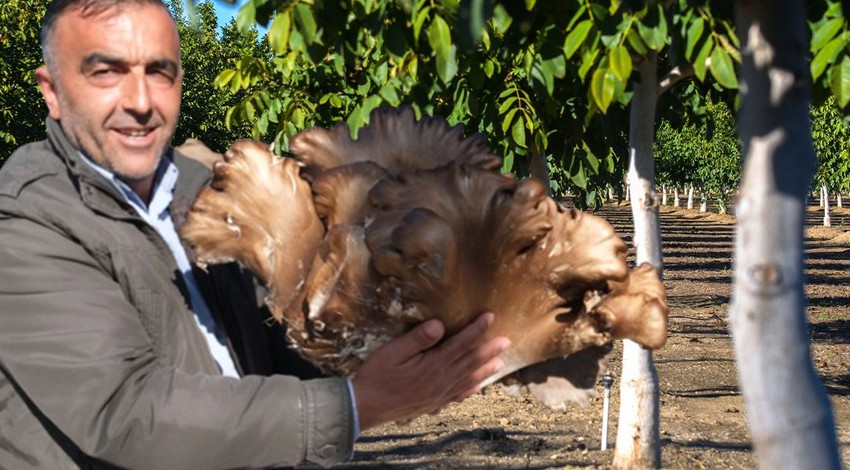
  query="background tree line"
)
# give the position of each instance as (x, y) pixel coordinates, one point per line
(518, 86)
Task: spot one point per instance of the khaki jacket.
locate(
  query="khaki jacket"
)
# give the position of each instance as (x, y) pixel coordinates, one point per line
(101, 362)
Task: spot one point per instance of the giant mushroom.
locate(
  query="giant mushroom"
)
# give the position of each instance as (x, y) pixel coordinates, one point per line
(360, 239)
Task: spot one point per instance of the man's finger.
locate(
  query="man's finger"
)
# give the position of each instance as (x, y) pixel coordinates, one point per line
(423, 336)
(460, 344)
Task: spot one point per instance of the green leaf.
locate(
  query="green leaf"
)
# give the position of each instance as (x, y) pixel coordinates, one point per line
(593, 162)
(700, 66)
(541, 141)
(388, 93)
(304, 17)
(636, 42)
(825, 33)
(279, 33)
(223, 79)
(447, 65)
(506, 122)
(722, 68)
(576, 38)
(587, 62)
(506, 104)
(653, 30)
(249, 111)
(825, 56)
(518, 133)
(439, 36)
(577, 174)
(578, 14)
(471, 21)
(489, 67)
(507, 163)
(602, 87)
(263, 124)
(246, 17)
(694, 34)
(839, 82)
(620, 62)
(420, 20)
(543, 74)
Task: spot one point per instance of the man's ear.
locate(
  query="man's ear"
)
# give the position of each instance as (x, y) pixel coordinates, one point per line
(48, 91)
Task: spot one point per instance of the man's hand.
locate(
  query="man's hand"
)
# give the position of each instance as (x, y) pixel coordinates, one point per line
(408, 376)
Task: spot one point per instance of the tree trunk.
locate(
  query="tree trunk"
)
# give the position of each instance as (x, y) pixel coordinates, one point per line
(788, 412)
(539, 168)
(691, 196)
(663, 195)
(675, 196)
(638, 436)
(838, 203)
(827, 222)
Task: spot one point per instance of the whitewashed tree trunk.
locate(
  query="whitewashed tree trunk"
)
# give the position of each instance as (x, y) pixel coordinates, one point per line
(675, 196)
(638, 436)
(827, 222)
(820, 204)
(703, 205)
(663, 195)
(788, 412)
(838, 202)
(540, 169)
(691, 196)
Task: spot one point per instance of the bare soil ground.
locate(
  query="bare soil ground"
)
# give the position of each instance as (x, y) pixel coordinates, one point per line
(702, 414)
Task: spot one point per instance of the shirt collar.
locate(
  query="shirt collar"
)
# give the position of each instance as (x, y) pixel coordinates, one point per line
(165, 178)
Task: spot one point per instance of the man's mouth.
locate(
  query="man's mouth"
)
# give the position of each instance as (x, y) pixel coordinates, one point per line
(135, 133)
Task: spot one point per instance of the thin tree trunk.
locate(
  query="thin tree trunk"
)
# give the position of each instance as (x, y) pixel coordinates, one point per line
(638, 436)
(827, 222)
(663, 195)
(838, 202)
(539, 168)
(676, 196)
(691, 196)
(788, 412)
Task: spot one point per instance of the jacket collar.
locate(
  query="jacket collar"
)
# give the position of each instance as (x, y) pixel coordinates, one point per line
(101, 196)
(95, 192)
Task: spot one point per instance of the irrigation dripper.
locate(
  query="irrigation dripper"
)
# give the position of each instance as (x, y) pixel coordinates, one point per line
(606, 381)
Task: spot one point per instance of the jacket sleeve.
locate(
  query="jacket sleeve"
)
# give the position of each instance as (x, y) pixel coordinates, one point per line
(76, 351)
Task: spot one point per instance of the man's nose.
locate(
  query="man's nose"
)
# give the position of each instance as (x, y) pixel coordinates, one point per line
(137, 93)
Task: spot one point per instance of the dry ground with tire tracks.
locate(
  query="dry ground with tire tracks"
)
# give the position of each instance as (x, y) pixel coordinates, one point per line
(702, 419)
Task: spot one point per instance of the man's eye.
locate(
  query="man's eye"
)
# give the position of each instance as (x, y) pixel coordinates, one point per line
(162, 76)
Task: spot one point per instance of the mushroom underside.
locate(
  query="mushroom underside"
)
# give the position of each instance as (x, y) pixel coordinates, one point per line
(359, 240)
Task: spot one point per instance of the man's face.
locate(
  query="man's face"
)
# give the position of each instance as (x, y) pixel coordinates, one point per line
(116, 87)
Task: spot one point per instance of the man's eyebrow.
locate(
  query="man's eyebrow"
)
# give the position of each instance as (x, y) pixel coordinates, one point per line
(164, 64)
(99, 58)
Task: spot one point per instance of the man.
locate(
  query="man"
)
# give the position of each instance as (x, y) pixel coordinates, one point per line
(112, 346)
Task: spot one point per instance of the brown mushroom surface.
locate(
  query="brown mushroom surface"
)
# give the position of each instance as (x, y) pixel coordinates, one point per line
(410, 222)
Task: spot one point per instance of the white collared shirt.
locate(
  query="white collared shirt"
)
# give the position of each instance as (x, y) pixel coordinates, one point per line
(158, 216)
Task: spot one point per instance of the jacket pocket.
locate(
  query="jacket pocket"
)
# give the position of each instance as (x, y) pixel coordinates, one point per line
(153, 310)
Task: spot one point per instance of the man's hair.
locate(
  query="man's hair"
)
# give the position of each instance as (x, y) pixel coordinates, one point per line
(88, 8)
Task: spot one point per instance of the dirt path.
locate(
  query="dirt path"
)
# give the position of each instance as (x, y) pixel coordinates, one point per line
(702, 419)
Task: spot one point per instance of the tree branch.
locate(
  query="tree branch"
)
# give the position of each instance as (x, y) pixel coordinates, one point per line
(674, 76)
